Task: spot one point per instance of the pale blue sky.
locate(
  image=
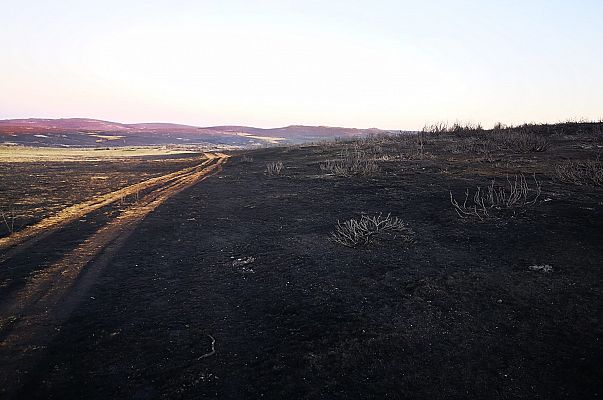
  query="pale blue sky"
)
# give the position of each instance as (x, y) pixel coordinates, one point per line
(386, 64)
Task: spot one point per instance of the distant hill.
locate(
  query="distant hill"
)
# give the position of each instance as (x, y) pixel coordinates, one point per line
(82, 132)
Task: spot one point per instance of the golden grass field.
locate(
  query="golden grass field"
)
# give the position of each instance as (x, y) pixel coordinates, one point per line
(36, 154)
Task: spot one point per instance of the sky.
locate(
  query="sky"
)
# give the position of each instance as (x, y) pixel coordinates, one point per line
(379, 63)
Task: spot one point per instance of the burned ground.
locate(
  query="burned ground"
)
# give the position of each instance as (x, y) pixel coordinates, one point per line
(31, 191)
(242, 264)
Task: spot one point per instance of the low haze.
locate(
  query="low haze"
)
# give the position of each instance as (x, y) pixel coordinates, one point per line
(385, 64)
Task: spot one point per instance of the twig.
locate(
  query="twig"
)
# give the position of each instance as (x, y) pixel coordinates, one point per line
(213, 348)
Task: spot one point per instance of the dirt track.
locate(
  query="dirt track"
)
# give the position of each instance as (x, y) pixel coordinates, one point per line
(22, 239)
(35, 313)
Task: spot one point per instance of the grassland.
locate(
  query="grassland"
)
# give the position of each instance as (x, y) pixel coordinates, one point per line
(59, 154)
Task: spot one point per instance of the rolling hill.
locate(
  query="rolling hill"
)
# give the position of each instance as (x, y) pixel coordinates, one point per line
(82, 132)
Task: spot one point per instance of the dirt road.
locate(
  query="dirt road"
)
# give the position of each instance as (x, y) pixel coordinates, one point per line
(30, 317)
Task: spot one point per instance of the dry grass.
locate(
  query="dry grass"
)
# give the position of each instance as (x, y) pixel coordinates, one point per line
(521, 140)
(583, 173)
(359, 155)
(351, 167)
(489, 202)
(37, 154)
(443, 128)
(352, 162)
(8, 217)
(474, 139)
(358, 232)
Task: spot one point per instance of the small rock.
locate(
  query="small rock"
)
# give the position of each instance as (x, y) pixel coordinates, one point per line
(239, 262)
(546, 268)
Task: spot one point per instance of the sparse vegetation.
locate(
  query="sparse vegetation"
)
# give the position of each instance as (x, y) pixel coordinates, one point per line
(358, 232)
(349, 167)
(415, 149)
(470, 146)
(485, 204)
(352, 163)
(246, 159)
(588, 172)
(442, 128)
(9, 216)
(521, 139)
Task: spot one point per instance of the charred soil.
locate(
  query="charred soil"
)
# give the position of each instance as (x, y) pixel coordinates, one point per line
(233, 288)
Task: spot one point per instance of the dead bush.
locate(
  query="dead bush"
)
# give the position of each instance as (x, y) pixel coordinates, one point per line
(350, 167)
(246, 159)
(358, 232)
(403, 146)
(9, 216)
(419, 151)
(583, 173)
(491, 201)
(458, 128)
(470, 146)
(520, 140)
(352, 163)
(274, 168)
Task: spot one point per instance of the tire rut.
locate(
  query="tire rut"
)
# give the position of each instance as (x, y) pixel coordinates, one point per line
(29, 322)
